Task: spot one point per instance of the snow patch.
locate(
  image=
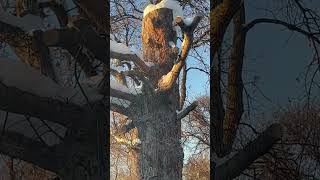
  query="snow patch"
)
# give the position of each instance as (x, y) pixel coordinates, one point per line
(19, 75)
(131, 89)
(150, 64)
(27, 23)
(170, 4)
(119, 48)
(123, 49)
(112, 37)
(172, 44)
(120, 102)
(188, 20)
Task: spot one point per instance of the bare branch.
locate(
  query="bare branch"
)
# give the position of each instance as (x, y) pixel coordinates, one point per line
(21, 102)
(291, 27)
(119, 109)
(183, 89)
(242, 160)
(24, 148)
(187, 110)
(121, 95)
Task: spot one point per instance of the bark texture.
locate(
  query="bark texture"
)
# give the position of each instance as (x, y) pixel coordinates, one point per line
(161, 153)
(84, 149)
(156, 36)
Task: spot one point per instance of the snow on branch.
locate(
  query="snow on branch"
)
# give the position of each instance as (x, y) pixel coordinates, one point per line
(27, 23)
(131, 89)
(19, 75)
(120, 48)
(167, 81)
(123, 53)
(170, 4)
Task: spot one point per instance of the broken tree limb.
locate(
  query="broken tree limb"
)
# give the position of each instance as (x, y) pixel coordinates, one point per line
(121, 95)
(167, 81)
(245, 157)
(187, 110)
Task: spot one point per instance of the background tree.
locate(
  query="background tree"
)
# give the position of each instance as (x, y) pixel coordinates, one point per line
(295, 156)
(197, 168)
(70, 102)
(50, 117)
(229, 30)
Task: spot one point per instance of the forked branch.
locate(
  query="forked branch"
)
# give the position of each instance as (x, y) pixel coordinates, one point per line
(168, 80)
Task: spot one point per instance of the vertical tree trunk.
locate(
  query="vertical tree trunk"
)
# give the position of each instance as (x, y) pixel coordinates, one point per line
(86, 149)
(161, 153)
(10, 167)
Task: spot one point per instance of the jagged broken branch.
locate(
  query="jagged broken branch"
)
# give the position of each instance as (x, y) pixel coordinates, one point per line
(168, 80)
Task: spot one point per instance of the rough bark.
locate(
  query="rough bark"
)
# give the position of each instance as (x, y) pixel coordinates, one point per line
(234, 104)
(84, 153)
(156, 35)
(161, 154)
(221, 16)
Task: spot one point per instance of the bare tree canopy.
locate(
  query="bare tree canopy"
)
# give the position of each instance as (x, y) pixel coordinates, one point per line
(77, 76)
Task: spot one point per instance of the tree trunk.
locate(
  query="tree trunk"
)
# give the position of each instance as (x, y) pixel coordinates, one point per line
(161, 153)
(10, 167)
(84, 147)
